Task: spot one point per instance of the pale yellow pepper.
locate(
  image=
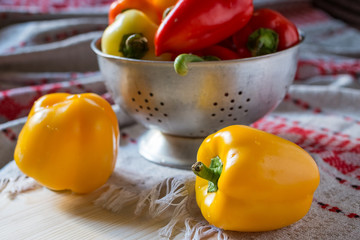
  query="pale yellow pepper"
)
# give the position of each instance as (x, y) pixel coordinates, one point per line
(132, 36)
(255, 181)
(69, 142)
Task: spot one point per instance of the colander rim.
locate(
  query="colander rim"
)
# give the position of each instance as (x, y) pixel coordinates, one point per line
(95, 46)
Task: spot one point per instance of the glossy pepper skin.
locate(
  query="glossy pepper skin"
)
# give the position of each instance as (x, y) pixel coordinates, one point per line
(69, 142)
(219, 51)
(268, 19)
(265, 183)
(192, 24)
(162, 5)
(135, 23)
(146, 6)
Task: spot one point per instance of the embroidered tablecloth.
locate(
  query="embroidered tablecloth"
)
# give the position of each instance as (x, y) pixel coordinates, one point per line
(44, 48)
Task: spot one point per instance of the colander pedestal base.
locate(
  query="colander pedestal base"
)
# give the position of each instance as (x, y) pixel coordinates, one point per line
(169, 150)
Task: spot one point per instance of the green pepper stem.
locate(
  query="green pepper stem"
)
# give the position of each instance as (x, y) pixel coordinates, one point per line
(263, 41)
(181, 61)
(134, 45)
(201, 170)
(212, 173)
(167, 11)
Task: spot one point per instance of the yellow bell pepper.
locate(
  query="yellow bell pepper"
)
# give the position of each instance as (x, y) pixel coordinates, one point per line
(69, 142)
(132, 36)
(249, 180)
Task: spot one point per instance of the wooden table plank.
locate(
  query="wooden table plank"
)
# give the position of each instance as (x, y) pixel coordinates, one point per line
(44, 214)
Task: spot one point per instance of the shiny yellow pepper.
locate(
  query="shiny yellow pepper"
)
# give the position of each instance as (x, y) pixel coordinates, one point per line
(69, 142)
(131, 35)
(249, 180)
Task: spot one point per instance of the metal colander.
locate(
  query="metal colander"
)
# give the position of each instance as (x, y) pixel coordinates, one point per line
(182, 110)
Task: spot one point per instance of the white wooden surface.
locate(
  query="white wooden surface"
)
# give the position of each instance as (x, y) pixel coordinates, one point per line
(44, 214)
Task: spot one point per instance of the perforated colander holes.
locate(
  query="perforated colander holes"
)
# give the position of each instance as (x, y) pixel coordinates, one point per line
(226, 113)
(143, 104)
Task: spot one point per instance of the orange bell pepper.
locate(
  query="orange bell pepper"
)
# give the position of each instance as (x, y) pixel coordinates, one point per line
(162, 5)
(145, 6)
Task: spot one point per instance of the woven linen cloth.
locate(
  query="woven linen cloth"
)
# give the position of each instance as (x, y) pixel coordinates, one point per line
(48, 51)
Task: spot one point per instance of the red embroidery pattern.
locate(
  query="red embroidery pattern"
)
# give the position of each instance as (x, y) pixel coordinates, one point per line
(40, 6)
(10, 134)
(345, 182)
(310, 68)
(337, 160)
(335, 149)
(11, 109)
(334, 209)
(126, 137)
(17, 102)
(302, 104)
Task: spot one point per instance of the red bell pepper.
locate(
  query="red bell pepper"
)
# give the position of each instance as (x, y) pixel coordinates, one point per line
(268, 31)
(193, 24)
(221, 52)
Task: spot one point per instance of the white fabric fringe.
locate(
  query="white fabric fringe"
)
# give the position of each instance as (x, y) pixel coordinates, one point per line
(196, 229)
(116, 198)
(172, 198)
(14, 182)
